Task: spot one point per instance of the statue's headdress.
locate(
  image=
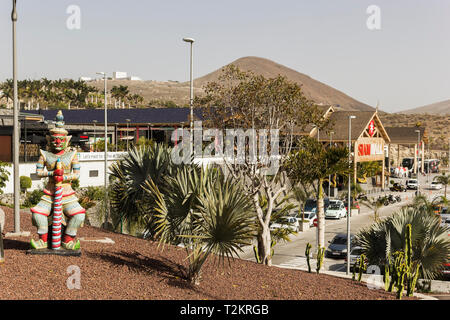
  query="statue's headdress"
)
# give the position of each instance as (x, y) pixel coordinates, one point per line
(59, 125)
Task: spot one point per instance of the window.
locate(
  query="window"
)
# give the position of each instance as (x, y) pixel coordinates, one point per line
(93, 173)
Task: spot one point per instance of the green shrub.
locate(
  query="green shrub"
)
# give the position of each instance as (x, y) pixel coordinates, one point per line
(75, 184)
(25, 183)
(4, 175)
(33, 198)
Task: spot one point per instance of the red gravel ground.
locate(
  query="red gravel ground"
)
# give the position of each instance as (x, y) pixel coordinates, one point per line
(134, 268)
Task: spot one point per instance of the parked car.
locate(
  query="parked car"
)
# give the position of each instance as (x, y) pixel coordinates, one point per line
(355, 254)
(435, 185)
(411, 184)
(286, 222)
(398, 187)
(336, 210)
(338, 246)
(310, 209)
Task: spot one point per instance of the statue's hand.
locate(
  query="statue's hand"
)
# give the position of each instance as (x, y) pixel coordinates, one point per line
(58, 172)
(58, 179)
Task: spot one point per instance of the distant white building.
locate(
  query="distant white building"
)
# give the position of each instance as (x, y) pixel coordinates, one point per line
(119, 75)
(85, 79)
(133, 78)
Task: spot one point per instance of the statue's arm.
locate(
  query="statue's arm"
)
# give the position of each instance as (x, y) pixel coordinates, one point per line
(75, 175)
(40, 168)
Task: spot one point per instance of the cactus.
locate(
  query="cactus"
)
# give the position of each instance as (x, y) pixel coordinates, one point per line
(412, 281)
(307, 251)
(320, 254)
(400, 281)
(272, 244)
(362, 266)
(257, 257)
(408, 247)
(354, 270)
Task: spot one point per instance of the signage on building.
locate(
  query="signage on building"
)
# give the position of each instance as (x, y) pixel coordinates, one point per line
(371, 128)
(98, 156)
(370, 149)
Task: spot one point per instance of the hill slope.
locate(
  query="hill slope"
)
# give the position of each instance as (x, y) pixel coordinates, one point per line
(313, 89)
(439, 108)
(179, 92)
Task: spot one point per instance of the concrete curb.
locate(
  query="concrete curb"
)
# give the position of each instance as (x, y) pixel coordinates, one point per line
(364, 279)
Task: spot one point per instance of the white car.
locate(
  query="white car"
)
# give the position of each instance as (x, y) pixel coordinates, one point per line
(435, 185)
(336, 211)
(411, 184)
(287, 222)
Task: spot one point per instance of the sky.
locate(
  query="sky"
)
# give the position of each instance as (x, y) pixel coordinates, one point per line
(404, 64)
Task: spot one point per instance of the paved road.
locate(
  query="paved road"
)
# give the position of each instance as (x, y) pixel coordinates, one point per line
(292, 254)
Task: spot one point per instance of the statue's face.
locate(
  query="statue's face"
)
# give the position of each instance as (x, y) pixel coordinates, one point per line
(58, 142)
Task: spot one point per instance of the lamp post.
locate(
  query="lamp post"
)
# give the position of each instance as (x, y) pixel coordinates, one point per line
(349, 205)
(191, 96)
(95, 136)
(106, 146)
(128, 122)
(16, 132)
(329, 177)
(417, 162)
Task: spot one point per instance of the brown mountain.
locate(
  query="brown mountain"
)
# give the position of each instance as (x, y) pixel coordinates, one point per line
(178, 93)
(313, 89)
(438, 108)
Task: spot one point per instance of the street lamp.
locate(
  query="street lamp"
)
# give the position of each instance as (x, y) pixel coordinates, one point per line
(128, 121)
(349, 206)
(329, 177)
(16, 132)
(95, 136)
(191, 98)
(106, 146)
(417, 162)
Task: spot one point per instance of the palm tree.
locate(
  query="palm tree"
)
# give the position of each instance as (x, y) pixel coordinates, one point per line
(128, 204)
(204, 211)
(313, 163)
(430, 241)
(444, 180)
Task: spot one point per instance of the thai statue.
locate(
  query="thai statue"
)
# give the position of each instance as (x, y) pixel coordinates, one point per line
(58, 206)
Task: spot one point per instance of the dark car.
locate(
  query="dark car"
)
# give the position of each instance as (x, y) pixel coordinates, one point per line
(338, 246)
(398, 187)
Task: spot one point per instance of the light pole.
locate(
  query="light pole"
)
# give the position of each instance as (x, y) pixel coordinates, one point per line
(191, 96)
(329, 177)
(417, 162)
(95, 136)
(106, 147)
(16, 132)
(349, 205)
(128, 121)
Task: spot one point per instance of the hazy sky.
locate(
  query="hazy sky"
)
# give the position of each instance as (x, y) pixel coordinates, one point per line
(406, 64)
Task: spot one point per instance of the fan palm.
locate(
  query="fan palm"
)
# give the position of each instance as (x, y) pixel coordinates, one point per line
(206, 212)
(128, 201)
(430, 243)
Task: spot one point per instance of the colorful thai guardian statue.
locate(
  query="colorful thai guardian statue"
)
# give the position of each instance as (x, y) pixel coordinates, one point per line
(58, 206)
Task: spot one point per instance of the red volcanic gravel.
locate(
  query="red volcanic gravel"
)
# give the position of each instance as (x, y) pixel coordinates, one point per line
(134, 268)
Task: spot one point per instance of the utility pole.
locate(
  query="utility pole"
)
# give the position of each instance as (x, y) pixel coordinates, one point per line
(16, 132)
(349, 204)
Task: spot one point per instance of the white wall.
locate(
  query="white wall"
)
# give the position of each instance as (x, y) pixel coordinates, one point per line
(27, 169)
